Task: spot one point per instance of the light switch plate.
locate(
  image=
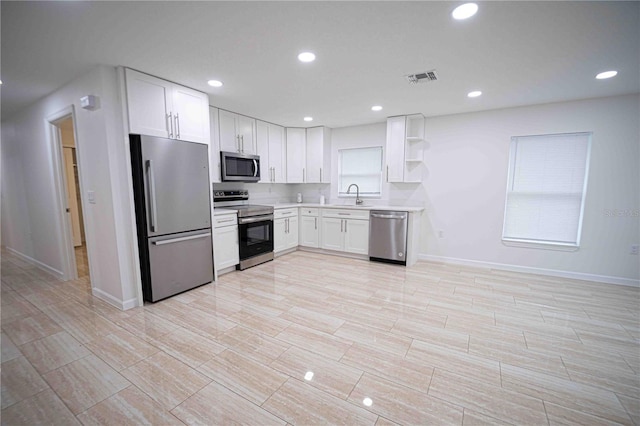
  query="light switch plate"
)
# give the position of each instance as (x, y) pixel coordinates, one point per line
(92, 197)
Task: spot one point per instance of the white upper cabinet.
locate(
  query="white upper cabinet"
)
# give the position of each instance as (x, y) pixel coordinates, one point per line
(405, 148)
(237, 133)
(214, 149)
(262, 141)
(277, 153)
(271, 149)
(318, 155)
(161, 108)
(296, 154)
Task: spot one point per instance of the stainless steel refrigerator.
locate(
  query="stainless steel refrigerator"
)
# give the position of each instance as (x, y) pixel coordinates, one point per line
(173, 215)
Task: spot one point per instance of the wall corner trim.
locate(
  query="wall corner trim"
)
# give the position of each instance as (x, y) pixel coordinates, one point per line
(532, 270)
(123, 305)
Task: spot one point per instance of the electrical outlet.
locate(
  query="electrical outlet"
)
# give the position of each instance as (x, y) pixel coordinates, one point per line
(441, 234)
(634, 249)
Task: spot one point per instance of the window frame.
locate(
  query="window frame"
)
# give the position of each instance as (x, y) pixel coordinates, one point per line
(380, 174)
(539, 243)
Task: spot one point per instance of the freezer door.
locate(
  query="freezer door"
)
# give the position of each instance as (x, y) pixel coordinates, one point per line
(178, 263)
(176, 178)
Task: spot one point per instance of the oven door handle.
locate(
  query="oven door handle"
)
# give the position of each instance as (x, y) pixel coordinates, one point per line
(263, 218)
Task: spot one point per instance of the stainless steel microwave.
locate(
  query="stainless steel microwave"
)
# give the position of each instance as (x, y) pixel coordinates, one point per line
(237, 167)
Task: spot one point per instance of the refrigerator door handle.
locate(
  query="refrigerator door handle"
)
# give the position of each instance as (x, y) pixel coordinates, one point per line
(153, 211)
(177, 240)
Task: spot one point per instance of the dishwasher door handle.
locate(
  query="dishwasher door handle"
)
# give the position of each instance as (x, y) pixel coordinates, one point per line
(387, 216)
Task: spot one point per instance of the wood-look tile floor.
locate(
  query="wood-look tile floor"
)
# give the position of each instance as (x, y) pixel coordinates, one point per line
(316, 339)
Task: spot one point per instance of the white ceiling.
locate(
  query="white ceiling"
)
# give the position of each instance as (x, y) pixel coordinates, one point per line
(517, 53)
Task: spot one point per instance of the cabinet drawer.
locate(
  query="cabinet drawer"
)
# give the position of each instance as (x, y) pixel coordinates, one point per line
(346, 213)
(277, 214)
(225, 220)
(309, 211)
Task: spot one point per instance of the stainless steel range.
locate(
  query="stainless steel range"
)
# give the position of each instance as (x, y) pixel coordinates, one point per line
(255, 226)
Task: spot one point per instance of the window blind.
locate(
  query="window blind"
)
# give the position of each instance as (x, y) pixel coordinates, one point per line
(362, 166)
(546, 188)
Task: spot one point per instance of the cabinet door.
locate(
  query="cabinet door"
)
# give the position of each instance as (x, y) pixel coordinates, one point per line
(190, 115)
(314, 154)
(395, 149)
(277, 154)
(246, 128)
(279, 235)
(356, 238)
(292, 232)
(225, 247)
(262, 142)
(309, 231)
(214, 148)
(149, 103)
(332, 233)
(229, 140)
(296, 157)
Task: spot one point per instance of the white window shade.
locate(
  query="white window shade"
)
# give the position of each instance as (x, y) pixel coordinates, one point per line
(546, 188)
(362, 166)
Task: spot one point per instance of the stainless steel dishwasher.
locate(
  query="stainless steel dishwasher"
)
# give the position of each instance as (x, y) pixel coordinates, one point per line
(388, 236)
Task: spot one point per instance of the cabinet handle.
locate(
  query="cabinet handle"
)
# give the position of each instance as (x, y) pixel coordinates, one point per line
(304, 174)
(341, 225)
(242, 143)
(315, 223)
(177, 126)
(238, 142)
(345, 225)
(226, 220)
(320, 174)
(170, 127)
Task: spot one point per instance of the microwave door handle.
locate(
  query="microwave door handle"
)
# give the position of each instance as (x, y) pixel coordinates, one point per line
(255, 168)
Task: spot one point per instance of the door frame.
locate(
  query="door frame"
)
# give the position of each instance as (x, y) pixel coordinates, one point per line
(66, 248)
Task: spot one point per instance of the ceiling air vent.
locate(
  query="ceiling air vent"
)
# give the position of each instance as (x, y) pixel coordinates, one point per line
(423, 77)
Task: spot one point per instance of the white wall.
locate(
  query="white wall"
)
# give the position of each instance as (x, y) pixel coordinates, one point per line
(467, 160)
(464, 186)
(30, 212)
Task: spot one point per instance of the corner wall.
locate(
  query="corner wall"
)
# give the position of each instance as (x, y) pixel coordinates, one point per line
(30, 213)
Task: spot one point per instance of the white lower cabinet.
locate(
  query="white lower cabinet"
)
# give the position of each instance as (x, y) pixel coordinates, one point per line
(345, 230)
(285, 229)
(226, 251)
(309, 227)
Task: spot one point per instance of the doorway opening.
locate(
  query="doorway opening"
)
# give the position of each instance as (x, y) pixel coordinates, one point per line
(75, 250)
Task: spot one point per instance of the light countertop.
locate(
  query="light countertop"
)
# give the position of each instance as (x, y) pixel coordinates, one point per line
(349, 206)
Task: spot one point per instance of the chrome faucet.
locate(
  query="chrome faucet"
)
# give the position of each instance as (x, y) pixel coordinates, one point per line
(358, 200)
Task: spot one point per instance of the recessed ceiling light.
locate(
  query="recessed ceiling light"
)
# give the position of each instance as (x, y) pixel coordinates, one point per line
(474, 94)
(306, 57)
(308, 119)
(606, 74)
(376, 108)
(464, 11)
(367, 402)
(214, 83)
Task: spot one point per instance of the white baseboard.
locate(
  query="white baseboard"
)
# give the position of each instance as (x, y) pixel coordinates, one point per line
(532, 270)
(123, 305)
(37, 263)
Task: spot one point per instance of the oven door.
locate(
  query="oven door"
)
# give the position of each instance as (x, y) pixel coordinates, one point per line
(255, 235)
